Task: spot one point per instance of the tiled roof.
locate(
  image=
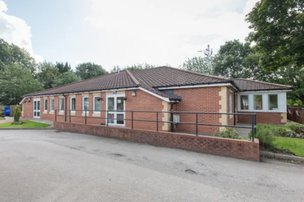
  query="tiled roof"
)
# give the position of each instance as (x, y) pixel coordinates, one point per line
(253, 85)
(155, 78)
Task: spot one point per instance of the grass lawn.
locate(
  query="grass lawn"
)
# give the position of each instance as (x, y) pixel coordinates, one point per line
(25, 124)
(294, 145)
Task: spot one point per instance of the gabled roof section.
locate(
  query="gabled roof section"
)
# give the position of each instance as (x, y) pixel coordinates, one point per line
(254, 85)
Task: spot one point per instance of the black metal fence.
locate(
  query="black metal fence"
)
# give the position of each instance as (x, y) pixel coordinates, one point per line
(174, 119)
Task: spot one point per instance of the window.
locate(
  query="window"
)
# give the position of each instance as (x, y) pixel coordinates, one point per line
(73, 104)
(85, 103)
(61, 104)
(45, 104)
(244, 102)
(258, 102)
(52, 104)
(272, 102)
(97, 103)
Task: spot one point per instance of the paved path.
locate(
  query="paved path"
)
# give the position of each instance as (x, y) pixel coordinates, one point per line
(51, 166)
(7, 119)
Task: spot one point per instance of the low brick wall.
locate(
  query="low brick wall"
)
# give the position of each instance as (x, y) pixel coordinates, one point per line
(241, 149)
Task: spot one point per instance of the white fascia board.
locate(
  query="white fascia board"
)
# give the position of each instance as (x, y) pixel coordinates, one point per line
(155, 95)
(196, 86)
(262, 91)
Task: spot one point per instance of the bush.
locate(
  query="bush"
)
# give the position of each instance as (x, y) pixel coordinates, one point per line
(229, 133)
(265, 134)
(17, 114)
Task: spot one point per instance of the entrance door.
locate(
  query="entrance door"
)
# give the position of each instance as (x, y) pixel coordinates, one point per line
(36, 108)
(115, 107)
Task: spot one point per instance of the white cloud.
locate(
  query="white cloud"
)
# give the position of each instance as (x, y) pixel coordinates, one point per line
(163, 31)
(15, 30)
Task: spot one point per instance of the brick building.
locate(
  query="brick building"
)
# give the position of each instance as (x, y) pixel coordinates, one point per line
(153, 93)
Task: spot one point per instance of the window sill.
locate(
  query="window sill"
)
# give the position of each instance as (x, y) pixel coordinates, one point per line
(51, 112)
(96, 114)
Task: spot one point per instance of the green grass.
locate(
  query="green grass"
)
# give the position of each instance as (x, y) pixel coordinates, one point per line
(293, 145)
(25, 124)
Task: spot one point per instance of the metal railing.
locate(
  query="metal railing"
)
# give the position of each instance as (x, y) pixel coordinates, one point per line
(197, 119)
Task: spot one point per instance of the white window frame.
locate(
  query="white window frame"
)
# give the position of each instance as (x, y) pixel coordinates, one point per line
(71, 110)
(59, 104)
(263, 104)
(52, 108)
(45, 106)
(282, 101)
(94, 110)
(269, 102)
(83, 111)
(115, 108)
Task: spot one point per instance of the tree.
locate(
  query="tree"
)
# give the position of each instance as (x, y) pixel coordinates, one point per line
(278, 29)
(200, 64)
(63, 67)
(15, 82)
(115, 69)
(66, 78)
(89, 70)
(47, 74)
(139, 67)
(11, 54)
(235, 60)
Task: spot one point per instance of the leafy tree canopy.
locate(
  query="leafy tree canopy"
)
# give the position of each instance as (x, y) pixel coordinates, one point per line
(89, 70)
(47, 74)
(63, 67)
(66, 78)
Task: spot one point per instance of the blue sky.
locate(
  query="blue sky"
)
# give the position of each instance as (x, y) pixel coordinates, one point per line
(118, 32)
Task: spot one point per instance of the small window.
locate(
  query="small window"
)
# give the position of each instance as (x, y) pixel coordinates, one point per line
(97, 104)
(52, 104)
(73, 104)
(45, 104)
(61, 104)
(273, 101)
(85, 104)
(258, 102)
(244, 102)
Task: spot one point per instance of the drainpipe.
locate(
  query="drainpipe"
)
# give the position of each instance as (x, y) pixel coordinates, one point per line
(65, 107)
(234, 105)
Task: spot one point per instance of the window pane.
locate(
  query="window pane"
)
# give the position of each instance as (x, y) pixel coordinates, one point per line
(73, 104)
(244, 102)
(258, 102)
(97, 104)
(86, 104)
(61, 104)
(110, 118)
(38, 105)
(120, 119)
(120, 103)
(273, 102)
(52, 105)
(111, 104)
(45, 104)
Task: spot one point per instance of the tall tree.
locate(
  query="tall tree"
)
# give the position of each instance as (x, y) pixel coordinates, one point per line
(47, 74)
(235, 60)
(63, 67)
(139, 66)
(89, 70)
(278, 29)
(13, 55)
(201, 64)
(16, 81)
(66, 78)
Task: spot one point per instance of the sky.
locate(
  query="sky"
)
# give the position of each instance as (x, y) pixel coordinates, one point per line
(120, 32)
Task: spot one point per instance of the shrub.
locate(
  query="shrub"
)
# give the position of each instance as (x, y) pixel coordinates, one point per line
(265, 134)
(17, 114)
(229, 133)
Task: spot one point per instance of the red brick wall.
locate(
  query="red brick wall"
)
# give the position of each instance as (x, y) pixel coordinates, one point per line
(241, 149)
(199, 100)
(27, 109)
(262, 117)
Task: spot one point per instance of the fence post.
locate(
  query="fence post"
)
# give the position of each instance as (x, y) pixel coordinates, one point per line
(85, 117)
(253, 125)
(196, 124)
(70, 116)
(156, 121)
(107, 118)
(132, 119)
(55, 115)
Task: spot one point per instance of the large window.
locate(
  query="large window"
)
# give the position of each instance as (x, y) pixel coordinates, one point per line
(97, 104)
(61, 104)
(51, 104)
(45, 104)
(273, 102)
(244, 102)
(85, 103)
(258, 102)
(73, 104)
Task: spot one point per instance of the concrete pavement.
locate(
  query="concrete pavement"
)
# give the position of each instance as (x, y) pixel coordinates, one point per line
(45, 165)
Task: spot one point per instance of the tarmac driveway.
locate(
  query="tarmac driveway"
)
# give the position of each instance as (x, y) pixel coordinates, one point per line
(45, 165)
